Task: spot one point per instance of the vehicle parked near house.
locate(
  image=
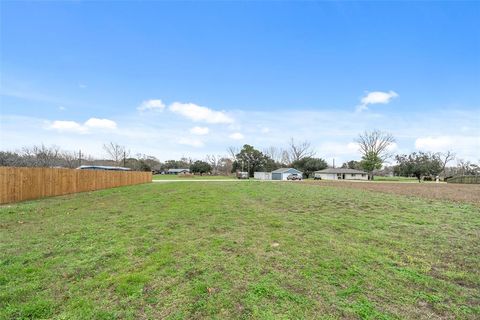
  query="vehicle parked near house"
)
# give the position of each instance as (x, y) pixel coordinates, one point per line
(294, 176)
(242, 175)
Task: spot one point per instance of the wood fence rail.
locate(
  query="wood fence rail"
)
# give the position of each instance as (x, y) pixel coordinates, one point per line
(18, 184)
(464, 179)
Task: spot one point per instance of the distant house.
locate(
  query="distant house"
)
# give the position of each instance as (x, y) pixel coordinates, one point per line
(262, 175)
(178, 171)
(341, 174)
(283, 173)
(85, 167)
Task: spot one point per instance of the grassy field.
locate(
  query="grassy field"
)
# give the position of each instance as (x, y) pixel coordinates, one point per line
(196, 177)
(247, 250)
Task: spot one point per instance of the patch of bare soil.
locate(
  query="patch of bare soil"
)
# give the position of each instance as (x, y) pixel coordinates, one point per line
(469, 193)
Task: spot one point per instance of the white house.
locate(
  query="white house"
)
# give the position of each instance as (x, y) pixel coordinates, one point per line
(262, 175)
(283, 173)
(341, 174)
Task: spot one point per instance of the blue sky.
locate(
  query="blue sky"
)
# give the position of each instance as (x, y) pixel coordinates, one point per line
(188, 79)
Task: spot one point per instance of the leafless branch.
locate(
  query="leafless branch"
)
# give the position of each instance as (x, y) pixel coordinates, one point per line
(376, 143)
(299, 150)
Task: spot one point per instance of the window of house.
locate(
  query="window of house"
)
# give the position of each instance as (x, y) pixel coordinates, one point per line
(353, 174)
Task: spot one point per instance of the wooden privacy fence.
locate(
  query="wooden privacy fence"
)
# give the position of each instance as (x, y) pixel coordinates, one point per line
(464, 179)
(18, 184)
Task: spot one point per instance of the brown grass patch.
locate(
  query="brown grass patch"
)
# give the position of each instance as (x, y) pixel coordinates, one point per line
(469, 193)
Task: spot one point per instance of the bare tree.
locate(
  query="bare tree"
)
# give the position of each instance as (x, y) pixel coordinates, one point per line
(70, 159)
(275, 153)
(374, 148)
(214, 162)
(232, 152)
(465, 167)
(42, 156)
(11, 159)
(115, 151)
(446, 157)
(375, 143)
(225, 166)
(299, 150)
(285, 157)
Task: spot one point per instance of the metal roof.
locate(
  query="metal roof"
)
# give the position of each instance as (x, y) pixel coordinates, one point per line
(284, 170)
(85, 167)
(178, 170)
(340, 170)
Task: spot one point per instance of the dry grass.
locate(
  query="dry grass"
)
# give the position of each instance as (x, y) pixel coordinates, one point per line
(469, 193)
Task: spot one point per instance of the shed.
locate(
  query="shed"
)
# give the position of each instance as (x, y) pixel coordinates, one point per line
(341, 174)
(283, 173)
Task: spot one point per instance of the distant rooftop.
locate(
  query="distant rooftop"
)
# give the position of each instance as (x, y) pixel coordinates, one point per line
(283, 170)
(104, 168)
(177, 170)
(340, 170)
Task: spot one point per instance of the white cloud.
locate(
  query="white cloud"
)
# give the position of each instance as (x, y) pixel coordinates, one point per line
(434, 143)
(67, 126)
(265, 130)
(464, 146)
(199, 131)
(376, 97)
(151, 105)
(191, 142)
(75, 127)
(334, 138)
(199, 113)
(100, 123)
(392, 147)
(236, 136)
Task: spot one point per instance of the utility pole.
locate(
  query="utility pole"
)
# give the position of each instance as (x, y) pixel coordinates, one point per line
(334, 163)
(79, 158)
(124, 158)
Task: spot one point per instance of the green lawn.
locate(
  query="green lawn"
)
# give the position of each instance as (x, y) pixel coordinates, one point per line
(250, 250)
(196, 177)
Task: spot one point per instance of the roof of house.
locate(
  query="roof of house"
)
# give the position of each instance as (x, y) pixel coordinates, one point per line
(285, 170)
(103, 168)
(340, 170)
(178, 170)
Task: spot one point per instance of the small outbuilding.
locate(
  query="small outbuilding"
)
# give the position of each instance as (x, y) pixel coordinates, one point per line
(341, 174)
(283, 173)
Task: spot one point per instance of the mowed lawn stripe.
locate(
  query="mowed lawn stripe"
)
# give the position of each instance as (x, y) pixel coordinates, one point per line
(245, 250)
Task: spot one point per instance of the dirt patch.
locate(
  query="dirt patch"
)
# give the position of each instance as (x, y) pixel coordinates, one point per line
(469, 193)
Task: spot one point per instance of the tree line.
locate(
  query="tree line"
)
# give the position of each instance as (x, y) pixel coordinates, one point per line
(375, 148)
